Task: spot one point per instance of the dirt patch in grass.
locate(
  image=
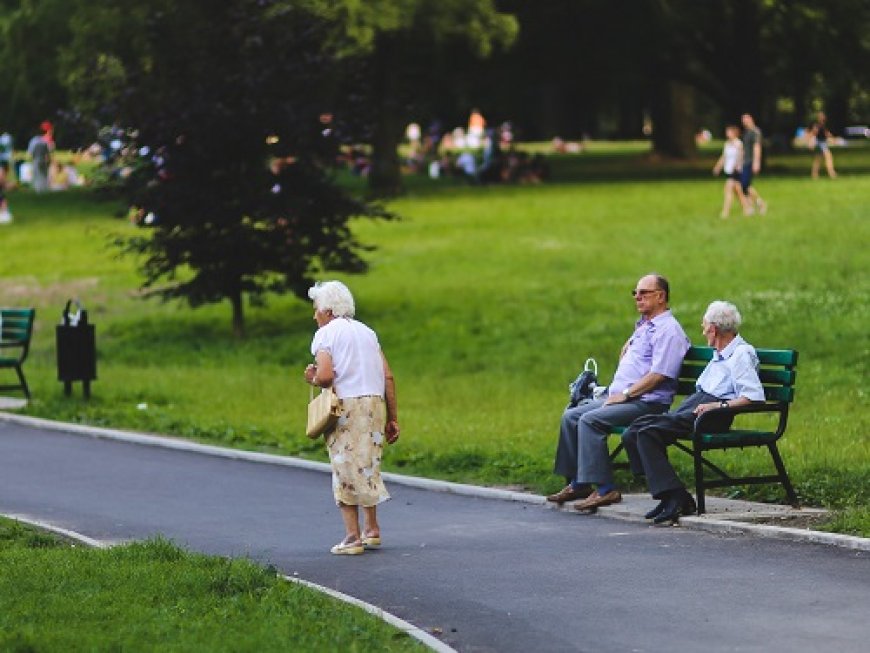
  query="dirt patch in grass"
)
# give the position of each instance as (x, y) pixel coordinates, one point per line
(808, 521)
(30, 290)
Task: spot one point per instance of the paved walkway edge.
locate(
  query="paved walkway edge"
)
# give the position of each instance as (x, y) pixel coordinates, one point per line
(702, 523)
(413, 631)
(400, 624)
(711, 525)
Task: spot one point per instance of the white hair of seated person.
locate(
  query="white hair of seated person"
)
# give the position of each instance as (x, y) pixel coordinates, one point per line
(332, 296)
(724, 316)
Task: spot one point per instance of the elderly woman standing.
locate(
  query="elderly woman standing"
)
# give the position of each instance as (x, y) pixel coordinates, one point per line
(348, 357)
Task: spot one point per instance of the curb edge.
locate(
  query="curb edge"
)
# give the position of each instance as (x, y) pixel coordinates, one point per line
(168, 442)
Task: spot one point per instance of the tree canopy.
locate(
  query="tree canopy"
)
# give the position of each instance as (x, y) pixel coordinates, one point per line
(218, 91)
(232, 147)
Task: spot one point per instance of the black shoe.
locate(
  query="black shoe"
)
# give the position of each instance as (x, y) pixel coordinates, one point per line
(655, 512)
(679, 503)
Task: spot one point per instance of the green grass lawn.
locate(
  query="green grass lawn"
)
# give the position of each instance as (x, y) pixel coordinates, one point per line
(487, 301)
(153, 596)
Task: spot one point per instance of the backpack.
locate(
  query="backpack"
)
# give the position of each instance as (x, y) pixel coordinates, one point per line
(584, 385)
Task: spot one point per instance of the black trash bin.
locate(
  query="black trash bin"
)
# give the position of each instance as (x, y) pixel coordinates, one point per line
(76, 349)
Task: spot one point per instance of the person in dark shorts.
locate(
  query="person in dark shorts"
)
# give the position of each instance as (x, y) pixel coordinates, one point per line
(731, 162)
(751, 163)
(818, 142)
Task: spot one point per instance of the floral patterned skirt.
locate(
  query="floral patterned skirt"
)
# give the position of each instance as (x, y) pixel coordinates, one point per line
(355, 449)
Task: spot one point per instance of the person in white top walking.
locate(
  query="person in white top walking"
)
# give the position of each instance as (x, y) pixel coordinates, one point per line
(731, 162)
(348, 357)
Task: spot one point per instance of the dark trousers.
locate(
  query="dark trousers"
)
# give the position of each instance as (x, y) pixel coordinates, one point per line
(646, 442)
(582, 453)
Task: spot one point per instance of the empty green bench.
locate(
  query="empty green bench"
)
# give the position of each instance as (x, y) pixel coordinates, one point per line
(777, 373)
(16, 328)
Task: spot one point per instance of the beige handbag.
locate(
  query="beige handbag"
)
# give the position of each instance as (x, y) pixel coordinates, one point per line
(323, 412)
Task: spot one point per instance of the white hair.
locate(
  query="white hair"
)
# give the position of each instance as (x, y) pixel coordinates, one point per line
(332, 296)
(723, 315)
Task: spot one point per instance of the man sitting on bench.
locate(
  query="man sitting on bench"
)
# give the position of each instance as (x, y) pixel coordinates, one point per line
(645, 382)
(729, 380)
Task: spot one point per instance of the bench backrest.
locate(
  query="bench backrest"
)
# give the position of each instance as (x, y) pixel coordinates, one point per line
(776, 370)
(16, 325)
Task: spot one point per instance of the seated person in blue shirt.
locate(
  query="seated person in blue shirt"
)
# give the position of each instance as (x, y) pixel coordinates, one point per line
(729, 380)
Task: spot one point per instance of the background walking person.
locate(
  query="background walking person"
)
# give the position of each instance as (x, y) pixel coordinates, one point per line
(751, 163)
(731, 161)
(818, 141)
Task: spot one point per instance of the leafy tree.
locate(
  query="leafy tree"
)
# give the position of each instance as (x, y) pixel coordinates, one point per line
(228, 100)
(403, 41)
(30, 31)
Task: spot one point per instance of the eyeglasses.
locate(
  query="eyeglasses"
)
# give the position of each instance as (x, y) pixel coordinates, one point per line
(643, 291)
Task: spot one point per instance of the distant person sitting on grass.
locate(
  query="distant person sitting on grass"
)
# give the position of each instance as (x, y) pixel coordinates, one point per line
(729, 380)
(645, 383)
(731, 162)
(348, 357)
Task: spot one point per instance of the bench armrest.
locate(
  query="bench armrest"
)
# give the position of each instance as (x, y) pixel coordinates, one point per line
(766, 407)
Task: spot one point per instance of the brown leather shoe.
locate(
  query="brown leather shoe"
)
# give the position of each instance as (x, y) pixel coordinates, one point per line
(595, 500)
(568, 493)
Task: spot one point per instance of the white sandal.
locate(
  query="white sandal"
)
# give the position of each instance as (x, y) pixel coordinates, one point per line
(348, 548)
(371, 541)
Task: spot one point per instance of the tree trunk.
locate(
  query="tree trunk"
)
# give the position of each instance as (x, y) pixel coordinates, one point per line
(630, 115)
(837, 108)
(673, 117)
(749, 81)
(238, 314)
(385, 176)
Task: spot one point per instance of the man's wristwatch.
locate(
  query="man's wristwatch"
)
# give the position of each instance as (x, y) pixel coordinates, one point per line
(626, 394)
(723, 404)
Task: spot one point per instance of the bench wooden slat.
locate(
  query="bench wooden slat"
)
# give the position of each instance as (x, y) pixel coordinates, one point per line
(777, 377)
(737, 438)
(787, 357)
(699, 353)
(16, 312)
(779, 393)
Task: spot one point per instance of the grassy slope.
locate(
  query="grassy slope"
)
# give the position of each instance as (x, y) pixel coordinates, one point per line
(154, 596)
(487, 301)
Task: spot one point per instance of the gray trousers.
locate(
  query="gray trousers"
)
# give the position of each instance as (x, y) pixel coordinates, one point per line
(646, 442)
(582, 453)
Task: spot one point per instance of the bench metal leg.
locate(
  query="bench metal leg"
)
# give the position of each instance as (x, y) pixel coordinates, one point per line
(22, 381)
(615, 452)
(699, 481)
(783, 475)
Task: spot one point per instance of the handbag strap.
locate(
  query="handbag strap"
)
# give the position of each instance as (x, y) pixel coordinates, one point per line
(592, 365)
(322, 390)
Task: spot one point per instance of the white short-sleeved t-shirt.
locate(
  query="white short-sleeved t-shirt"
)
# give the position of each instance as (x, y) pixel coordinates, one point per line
(356, 357)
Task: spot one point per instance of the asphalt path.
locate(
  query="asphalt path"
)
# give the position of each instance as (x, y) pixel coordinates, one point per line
(485, 575)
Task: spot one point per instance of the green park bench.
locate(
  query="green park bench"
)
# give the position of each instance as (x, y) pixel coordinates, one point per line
(16, 327)
(777, 372)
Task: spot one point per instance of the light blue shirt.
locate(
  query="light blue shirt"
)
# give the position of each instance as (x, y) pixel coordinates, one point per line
(732, 373)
